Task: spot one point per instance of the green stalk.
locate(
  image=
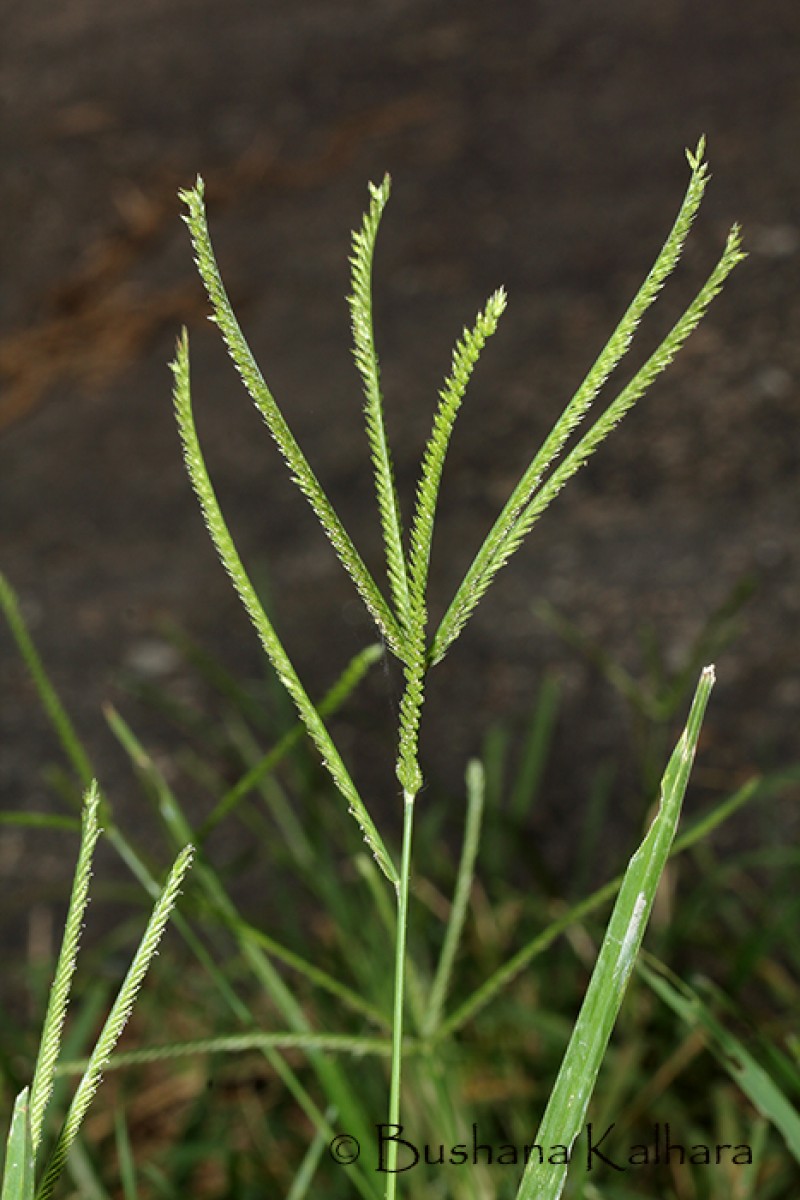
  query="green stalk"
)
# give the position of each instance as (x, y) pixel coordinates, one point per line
(399, 989)
(476, 786)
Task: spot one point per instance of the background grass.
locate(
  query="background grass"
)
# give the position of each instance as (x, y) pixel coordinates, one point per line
(220, 1124)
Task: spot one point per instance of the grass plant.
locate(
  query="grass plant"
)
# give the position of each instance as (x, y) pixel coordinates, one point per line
(394, 1032)
(24, 1147)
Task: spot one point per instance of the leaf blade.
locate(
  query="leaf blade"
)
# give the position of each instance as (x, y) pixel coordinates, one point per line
(760, 1088)
(18, 1168)
(566, 1109)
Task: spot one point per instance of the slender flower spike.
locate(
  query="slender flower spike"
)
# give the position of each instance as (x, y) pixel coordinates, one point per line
(115, 1022)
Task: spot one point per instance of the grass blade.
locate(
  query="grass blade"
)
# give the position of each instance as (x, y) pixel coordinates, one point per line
(301, 1184)
(702, 828)
(330, 703)
(38, 820)
(52, 705)
(272, 645)
(85, 1176)
(264, 401)
(536, 750)
(566, 1109)
(458, 909)
(746, 1072)
(125, 1158)
(18, 1167)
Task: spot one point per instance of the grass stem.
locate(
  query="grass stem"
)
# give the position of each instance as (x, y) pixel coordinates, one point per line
(399, 989)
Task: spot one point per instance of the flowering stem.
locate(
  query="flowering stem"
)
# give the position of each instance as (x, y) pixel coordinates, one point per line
(399, 991)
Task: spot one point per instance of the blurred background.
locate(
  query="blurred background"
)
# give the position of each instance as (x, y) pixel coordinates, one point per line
(538, 145)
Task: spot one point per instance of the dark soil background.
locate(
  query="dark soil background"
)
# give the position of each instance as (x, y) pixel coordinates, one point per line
(539, 145)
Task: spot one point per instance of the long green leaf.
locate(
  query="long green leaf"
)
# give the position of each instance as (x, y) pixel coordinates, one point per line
(18, 1168)
(747, 1073)
(476, 786)
(264, 401)
(52, 705)
(37, 820)
(125, 1158)
(336, 695)
(269, 639)
(304, 1178)
(566, 1109)
(702, 828)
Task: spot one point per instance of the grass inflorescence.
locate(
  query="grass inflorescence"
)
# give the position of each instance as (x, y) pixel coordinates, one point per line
(456, 1020)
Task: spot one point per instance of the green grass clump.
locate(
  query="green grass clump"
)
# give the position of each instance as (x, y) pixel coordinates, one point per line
(469, 1016)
